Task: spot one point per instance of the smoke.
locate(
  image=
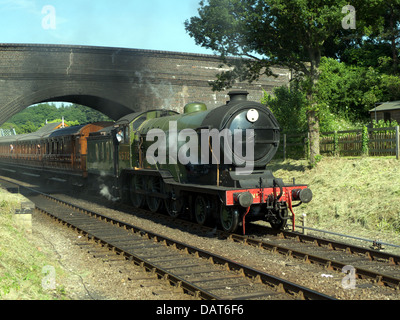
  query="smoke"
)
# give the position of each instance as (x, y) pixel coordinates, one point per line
(163, 92)
(102, 173)
(105, 192)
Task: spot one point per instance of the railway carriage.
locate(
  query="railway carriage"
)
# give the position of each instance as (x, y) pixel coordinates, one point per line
(53, 147)
(26, 148)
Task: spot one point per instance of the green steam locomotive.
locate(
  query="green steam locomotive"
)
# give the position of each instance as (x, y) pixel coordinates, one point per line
(208, 165)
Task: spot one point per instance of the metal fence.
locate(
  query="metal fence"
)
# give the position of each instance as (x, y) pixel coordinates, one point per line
(366, 141)
(7, 132)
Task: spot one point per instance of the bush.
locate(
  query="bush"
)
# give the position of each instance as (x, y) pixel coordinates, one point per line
(289, 108)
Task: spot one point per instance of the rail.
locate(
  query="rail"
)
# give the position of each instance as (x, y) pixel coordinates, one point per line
(375, 243)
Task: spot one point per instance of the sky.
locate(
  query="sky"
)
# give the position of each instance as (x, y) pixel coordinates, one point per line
(138, 24)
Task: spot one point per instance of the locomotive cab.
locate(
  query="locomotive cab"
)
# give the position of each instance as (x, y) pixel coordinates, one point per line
(113, 151)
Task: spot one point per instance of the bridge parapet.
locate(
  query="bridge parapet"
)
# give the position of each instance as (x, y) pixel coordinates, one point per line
(114, 81)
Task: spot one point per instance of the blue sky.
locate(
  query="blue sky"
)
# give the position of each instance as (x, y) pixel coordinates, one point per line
(139, 24)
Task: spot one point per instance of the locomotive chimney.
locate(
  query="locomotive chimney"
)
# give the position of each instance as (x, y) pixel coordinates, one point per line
(238, 95)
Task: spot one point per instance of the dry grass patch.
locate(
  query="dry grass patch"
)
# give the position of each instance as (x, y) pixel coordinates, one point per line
(350, 193)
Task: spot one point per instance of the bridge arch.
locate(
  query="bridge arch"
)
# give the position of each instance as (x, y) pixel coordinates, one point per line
(90, 97)
(114, 81)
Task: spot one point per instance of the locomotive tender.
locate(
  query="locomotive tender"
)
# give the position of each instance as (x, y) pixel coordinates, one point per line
(148, 159)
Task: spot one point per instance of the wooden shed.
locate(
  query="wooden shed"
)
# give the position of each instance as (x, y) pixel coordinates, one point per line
(387, 111)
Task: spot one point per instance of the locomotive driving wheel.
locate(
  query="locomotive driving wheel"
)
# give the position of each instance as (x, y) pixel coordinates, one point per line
(137, 185)
(202, 208)
(172, 203)
(174, 207)
(154, 186)
(229, 218)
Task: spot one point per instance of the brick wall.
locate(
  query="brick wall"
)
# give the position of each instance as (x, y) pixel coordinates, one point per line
(114, 81)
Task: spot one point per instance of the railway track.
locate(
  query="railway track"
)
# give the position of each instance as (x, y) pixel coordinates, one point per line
(379, 267)
(376, 266)
(198, 272)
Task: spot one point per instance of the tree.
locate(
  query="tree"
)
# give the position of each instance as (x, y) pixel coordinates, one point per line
(270, 32)
(342, 88)
(381, 26)
(288, 106)
(391, 31)
(28, 127)
(32, 118)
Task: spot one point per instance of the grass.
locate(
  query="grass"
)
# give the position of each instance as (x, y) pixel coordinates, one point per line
(356, 195)
(21, 262)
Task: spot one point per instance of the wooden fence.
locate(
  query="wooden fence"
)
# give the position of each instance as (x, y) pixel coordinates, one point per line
(294, 146)
(366, 141)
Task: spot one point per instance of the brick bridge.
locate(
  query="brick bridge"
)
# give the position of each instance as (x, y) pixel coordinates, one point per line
(114, 81)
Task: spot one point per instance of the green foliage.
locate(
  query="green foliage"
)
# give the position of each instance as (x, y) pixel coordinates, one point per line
(336, 143)
(351, 91)
(344, 96)
(382, 28)
(288, 106)
(296, 34)
(271, 32)
(26, 127)
(369, 54)
(317, 158)
(340, 88)
(384, 124)
(383, 87)
(33, 118)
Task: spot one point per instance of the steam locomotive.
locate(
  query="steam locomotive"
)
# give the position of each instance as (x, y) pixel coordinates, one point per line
(189, 164)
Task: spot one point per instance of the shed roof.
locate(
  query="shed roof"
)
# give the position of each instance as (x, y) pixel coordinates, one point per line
(387, 106)
(68, 131)
(31, 136)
